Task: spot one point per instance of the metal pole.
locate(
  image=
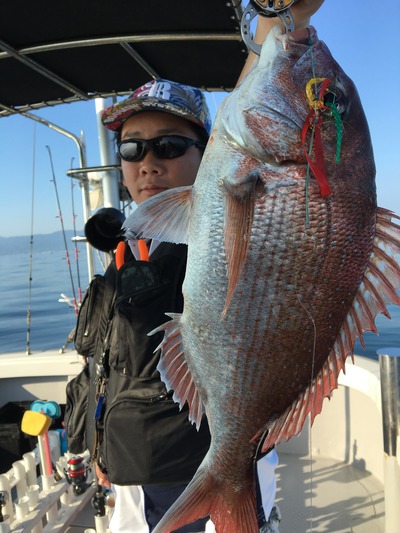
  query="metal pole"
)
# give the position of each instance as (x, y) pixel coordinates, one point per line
(107, 157)
(389, 363)
(84, 185)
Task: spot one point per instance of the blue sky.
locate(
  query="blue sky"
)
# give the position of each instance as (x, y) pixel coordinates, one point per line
(362, 38)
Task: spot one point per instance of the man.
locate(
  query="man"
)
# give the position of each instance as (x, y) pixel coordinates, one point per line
(162, 130)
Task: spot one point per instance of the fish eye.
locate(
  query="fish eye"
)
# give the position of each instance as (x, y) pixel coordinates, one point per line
(333, 98)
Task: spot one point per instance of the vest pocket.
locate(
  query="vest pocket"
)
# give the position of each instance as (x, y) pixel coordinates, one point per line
(149, 441)
(93, 314)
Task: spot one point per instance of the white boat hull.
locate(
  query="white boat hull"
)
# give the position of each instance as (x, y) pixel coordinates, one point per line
(39, 376)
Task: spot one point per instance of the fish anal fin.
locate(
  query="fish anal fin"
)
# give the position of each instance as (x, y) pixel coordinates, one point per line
(205, 496)
(377, 290)
(291, 422)
(239, 201)
(164, 217)
(174, 370)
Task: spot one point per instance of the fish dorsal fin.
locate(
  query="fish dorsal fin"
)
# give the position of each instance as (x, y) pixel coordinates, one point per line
(174, 369)
(164, 217)
(377, 290)
(239, 202)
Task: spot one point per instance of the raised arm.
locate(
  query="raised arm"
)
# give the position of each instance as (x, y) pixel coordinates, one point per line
(302, 12)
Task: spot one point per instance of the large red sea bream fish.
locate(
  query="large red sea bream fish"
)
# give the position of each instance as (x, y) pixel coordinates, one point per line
(289, 261)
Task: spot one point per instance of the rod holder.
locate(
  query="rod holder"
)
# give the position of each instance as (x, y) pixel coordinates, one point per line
(389, 364)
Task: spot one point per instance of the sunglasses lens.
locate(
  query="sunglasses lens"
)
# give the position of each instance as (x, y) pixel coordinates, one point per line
(131, 150)
(164, 147)
(169, 147)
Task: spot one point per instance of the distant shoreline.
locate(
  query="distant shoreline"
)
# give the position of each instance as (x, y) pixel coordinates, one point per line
(43, 242)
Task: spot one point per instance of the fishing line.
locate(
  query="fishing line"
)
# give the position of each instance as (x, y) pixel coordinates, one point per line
(307, 184)
(319, 106)
(311, 148)
(63, 232)
(28, 314)
(311, 412)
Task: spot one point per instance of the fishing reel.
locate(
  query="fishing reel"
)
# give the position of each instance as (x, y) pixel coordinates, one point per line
(76, 474)
(265, 8)
(103, 230)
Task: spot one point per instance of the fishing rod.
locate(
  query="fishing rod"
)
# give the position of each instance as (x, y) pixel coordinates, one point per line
(63, 232)
(28, 313)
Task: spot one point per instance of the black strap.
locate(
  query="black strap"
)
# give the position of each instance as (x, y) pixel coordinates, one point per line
(102, 365)
(262, 519)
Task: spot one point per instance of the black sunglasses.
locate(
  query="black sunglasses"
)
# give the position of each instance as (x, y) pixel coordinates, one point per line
(164, 147)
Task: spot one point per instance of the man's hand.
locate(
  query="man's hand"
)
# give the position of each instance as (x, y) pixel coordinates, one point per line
(302, 11)
(102, 478)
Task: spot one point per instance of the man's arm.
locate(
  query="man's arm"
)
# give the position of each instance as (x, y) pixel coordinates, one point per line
(302, 12)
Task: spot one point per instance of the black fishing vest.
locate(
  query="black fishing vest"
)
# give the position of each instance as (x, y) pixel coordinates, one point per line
(137, 408)
(145, 292)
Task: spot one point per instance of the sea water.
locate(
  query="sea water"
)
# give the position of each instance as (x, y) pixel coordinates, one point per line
(52, 321)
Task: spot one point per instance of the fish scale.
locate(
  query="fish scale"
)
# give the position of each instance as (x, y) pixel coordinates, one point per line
(282, 277)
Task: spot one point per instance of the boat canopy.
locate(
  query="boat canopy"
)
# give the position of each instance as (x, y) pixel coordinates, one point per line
(54, 52)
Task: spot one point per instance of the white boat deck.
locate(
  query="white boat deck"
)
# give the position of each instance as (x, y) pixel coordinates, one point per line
(314, 495)
(323, 495)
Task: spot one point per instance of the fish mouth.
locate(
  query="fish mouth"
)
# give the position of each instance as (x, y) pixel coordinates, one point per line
(263, 118)
(304, 36)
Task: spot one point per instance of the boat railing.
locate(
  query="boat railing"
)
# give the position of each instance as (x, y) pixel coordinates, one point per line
(44, 504)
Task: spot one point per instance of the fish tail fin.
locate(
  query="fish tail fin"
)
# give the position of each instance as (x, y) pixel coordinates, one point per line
(202, 498)
(193, 504)
(239, 519)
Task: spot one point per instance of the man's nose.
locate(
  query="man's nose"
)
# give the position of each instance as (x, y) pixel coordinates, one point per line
(150, 163)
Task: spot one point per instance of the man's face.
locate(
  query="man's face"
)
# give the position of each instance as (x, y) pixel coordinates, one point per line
(152, 175)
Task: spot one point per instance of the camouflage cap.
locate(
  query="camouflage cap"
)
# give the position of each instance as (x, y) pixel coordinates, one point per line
(160, 95)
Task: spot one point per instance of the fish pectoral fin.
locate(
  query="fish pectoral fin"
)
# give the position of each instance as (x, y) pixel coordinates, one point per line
(239, 203)
(164, 217)
(174, 370)
(377, 290)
